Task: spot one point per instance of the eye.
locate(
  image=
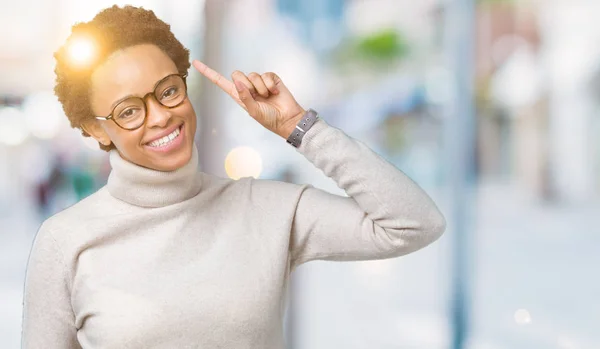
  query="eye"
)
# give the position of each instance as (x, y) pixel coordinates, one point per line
(170, 92)
(127, 113)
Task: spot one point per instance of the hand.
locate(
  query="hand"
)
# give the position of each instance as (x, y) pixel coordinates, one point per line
(264, 97)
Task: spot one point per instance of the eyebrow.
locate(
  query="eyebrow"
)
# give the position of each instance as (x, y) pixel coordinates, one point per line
(112, 106)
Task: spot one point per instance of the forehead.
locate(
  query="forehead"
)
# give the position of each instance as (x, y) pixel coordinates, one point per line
(131, 71)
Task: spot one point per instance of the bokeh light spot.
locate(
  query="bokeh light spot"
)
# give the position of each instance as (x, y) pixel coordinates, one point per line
(243, 162)
(522, 317)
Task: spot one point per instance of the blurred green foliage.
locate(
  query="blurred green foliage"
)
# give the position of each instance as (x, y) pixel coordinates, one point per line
(385, 45)
(378, 49)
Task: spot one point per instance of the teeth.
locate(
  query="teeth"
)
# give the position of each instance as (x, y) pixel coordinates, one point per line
(165, 140)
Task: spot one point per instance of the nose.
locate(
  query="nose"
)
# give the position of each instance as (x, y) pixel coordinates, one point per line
(156, 114)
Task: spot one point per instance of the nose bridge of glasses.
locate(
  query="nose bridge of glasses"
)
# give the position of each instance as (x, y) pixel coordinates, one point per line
(156, 112)
(151, 96)
(153, 105)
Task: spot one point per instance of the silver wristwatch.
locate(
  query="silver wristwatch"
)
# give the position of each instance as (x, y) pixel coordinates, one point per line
(308, 119)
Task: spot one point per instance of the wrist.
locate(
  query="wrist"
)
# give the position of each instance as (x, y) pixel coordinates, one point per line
(290, 125)
(308, 119)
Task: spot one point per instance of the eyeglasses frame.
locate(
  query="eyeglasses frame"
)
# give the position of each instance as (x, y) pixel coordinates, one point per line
(111, 116)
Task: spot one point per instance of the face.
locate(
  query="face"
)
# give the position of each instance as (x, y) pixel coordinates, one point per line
(135, 71)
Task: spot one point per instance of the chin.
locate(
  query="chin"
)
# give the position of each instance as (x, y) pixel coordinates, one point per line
(175, 161)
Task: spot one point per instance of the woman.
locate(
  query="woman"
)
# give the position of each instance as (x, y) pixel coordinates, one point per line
(166, 256)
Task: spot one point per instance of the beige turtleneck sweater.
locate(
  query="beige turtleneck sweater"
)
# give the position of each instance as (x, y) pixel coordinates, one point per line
(185, 259)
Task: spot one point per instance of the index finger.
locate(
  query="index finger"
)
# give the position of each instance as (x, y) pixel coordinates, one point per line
(215, 77)
(218, 80)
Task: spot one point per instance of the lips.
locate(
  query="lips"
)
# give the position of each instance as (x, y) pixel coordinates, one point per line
(162, 134)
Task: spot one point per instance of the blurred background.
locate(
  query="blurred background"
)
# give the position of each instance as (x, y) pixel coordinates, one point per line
(491, 106)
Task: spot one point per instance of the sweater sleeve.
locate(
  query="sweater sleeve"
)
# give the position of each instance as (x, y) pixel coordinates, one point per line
(48, 319)
(385, 215)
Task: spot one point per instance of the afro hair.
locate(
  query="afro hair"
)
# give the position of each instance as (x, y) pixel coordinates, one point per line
(112, 29)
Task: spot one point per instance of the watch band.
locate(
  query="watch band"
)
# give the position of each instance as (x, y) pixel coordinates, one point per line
(308, 119)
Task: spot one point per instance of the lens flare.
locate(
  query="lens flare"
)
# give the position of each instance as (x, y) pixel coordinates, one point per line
(81, 51)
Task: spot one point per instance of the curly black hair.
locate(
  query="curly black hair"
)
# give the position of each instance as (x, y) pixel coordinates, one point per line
(111, 29)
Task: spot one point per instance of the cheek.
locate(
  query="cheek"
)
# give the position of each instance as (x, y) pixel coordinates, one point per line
(189, 115)
(123, 138)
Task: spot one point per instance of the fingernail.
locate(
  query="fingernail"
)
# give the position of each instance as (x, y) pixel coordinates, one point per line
(239, 86)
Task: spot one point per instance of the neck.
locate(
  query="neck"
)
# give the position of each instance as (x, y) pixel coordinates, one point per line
(145, 187)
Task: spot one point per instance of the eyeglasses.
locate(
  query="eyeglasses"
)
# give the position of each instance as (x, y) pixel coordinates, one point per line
(130, 113)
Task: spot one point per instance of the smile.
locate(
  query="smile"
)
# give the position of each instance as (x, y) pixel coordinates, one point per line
(166, 140)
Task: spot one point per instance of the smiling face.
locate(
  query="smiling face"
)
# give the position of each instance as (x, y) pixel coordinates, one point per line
(135, 71)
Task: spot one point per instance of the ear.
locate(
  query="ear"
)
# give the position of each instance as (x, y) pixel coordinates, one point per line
(93, 128)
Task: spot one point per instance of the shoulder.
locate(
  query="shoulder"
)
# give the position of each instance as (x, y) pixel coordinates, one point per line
(275, 194)
(257, 186)
(269, 187)
(263, 192)
(59, 224)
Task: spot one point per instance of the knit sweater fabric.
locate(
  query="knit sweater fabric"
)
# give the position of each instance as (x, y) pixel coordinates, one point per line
(186, 259)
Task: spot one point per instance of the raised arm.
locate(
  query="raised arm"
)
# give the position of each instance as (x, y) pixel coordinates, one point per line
(385, 215)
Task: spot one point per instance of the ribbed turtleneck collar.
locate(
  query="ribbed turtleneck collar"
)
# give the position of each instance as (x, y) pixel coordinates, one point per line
(146, 187)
